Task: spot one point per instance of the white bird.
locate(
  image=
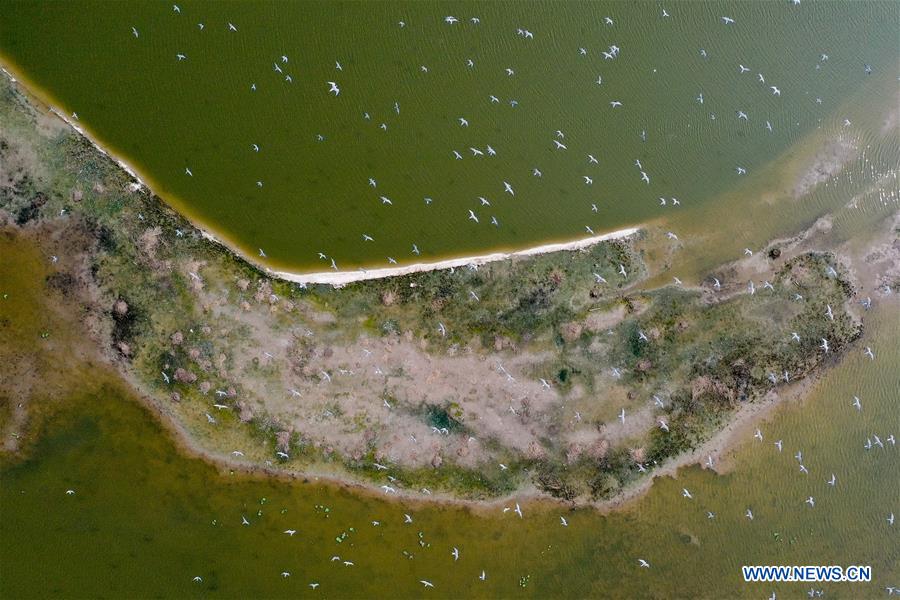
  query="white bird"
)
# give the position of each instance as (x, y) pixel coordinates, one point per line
(510, 72)
(386, 200)
(536, 172)
(134, 32)
(563, 521)
(622, 416)
(671, 236)
(615, 104)
(743, 68)
(740, 170)
(857, 403)
(588, 180)
(176, 8)
(244, 520)
(869, 353)
(407, 518)
(518, 510)
(779, 444)
(645, 178)
(472, 216)
(442, 329)
(795, 336)
(758, 435)
(463, 122)
(749, 514)
(716, 283)
(742, 115)
(483, 576)
(775, 90)
(455, 553)
(811, 501)
(70, 492)
(828, 312)
(832, 481)
(231, 27)
(333, 88)
(368, 238)
(559, 146)
(508, 188)
(824, 345)
(592, 160)
(890, 519)
(426, 583)
(727, 20)
(599, 278)
(643, 563)
(686, 493)
(188, 172)
(622, 271)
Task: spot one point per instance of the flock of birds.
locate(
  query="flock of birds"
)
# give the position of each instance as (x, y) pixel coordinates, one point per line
(558, 142)
(482, 210)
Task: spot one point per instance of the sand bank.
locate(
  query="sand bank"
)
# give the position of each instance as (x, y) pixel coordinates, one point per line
(339, 278)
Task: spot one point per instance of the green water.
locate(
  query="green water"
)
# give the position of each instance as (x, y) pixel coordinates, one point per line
(145, 519)
(164, 115)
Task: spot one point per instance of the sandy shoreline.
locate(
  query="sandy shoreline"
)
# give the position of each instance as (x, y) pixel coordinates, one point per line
(339, 278)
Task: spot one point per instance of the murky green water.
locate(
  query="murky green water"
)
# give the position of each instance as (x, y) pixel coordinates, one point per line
(166, 115)
(144, 519)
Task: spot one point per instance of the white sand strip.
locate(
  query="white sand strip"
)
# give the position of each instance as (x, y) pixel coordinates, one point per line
(339, 278)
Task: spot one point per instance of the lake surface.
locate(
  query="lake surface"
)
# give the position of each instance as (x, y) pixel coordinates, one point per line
(145, 519)
(165, 115)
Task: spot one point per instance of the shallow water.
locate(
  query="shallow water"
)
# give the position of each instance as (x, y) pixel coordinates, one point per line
(165, 115)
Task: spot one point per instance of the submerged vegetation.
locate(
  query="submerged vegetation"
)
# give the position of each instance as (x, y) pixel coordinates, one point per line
(554, 371)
